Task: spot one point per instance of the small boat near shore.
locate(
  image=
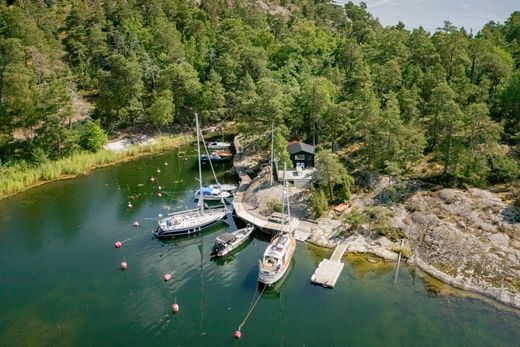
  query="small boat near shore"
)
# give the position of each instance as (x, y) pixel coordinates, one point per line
(227, 242)
(212, 193)
(215, 158)
(218, 145)
(230, 188)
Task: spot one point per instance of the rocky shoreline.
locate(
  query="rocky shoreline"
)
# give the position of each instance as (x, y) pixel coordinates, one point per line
(467, 239)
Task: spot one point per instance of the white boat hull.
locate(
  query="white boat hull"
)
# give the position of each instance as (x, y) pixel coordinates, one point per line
(268, 274)
(188, 222)
(241, 236)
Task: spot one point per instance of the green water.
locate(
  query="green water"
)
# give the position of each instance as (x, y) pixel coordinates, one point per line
(61, 284)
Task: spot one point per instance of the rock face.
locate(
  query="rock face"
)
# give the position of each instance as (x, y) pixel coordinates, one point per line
(468, 239)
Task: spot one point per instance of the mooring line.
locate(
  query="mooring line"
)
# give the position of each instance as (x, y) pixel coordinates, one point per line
(251, 308)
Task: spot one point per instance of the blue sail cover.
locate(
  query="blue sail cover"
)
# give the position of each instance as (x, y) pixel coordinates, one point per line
(206, 190)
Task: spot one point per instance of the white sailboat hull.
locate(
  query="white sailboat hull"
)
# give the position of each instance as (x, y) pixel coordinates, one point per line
(188, 222)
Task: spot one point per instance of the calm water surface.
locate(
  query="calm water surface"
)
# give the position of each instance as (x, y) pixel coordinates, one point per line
(61, 284)
(431, 14)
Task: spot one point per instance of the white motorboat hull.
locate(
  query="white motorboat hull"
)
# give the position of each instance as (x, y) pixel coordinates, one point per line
(242, 235)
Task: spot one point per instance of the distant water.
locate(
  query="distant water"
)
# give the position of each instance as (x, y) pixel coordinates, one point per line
(431, 14)
(61, 284)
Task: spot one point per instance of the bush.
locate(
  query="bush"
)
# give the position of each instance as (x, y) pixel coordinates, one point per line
(39, 156)
(355, 218)
(319, 201)
(274, 205)
(503, 169)
(92, 137)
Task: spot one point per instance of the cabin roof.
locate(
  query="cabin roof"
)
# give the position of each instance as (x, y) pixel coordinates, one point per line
(297, 147)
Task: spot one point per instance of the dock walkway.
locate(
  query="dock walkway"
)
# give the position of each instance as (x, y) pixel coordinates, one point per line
(328, 270)
(246, 212)
(249, 216)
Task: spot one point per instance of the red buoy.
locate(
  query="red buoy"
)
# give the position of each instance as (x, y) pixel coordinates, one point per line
(238, 334)
(167, 277)
(123, 265)
(118, 244)
(175, 308)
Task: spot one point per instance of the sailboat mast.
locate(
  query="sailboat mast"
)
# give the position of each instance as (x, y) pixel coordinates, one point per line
(272, 151)
(286, 191)
(201, 195)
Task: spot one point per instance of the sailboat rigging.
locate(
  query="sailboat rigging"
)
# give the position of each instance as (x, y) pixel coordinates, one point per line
(278, 254)
(191, 221)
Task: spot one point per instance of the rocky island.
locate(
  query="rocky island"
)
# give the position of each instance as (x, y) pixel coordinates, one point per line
(469, 239)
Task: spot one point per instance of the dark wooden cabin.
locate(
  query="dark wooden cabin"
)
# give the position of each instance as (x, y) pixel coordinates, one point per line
(302, 154)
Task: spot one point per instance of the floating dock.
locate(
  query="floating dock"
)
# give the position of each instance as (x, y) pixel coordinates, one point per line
(329, 270)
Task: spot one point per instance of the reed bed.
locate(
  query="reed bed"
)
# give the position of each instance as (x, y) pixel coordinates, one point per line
(22, 176)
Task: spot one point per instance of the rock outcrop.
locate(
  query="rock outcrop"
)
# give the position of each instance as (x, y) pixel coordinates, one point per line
(470, 240)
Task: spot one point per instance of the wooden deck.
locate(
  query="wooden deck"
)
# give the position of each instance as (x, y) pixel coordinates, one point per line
(328, 270)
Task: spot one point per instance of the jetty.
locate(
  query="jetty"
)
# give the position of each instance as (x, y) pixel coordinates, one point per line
(248, 213)
(328, 270)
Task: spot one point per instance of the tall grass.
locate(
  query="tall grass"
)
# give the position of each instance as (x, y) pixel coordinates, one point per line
(21, 176)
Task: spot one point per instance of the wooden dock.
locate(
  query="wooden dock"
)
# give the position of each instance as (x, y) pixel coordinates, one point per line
(262, 222)
(328, 270)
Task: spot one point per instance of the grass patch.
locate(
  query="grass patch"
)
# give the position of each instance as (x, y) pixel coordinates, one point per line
(274, 205)
(21, 176)
(516, 286)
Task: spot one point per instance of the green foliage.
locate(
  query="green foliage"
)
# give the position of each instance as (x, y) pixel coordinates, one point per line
(504, 169)
(274, 205)
(379, 218)
(331, 76)
(319, 201)
(161, 110)
(332, 177)
(280, 150)
(356, 219)
(92, 137)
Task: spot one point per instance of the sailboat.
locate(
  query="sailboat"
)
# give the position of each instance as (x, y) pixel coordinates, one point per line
(212, 192)
(191, 221)
(277, 257)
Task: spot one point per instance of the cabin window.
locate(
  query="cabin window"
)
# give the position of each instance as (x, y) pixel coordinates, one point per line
(299, 157)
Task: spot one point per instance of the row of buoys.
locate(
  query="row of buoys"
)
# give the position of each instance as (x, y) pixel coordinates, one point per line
(167, 277)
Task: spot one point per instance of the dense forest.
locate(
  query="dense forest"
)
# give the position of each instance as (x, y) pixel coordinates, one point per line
(388, 99)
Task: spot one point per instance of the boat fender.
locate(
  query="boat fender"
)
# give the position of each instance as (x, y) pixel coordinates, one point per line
(175, 308)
